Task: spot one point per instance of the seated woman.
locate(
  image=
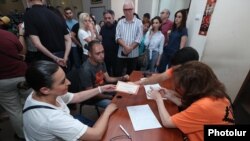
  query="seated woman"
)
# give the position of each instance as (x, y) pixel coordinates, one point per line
(46, 116)
(202, 97)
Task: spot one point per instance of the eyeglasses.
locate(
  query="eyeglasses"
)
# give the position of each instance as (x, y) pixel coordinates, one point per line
(163, 12)
(121, 137)
(128, 9)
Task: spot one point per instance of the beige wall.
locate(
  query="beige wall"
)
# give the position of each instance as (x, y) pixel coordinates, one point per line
(227, 47)
(10, 6)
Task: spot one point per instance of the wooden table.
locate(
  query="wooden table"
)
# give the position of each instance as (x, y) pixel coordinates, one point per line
(121, 117)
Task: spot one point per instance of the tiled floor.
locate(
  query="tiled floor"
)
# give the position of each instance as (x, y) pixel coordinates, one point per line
(7, 133)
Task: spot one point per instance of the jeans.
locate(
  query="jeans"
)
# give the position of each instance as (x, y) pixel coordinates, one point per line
(75, 58)
(153, 57)
(103, 103)
(126, 63)
(165, 61)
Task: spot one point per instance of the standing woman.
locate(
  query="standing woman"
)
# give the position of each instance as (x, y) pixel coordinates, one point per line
(177, 39)
(154, 40)
(86, 33)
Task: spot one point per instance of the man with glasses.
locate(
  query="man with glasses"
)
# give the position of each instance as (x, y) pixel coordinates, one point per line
(128, 36)
(166, 24)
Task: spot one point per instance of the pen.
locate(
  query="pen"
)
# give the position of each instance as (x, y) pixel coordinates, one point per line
(124, 131)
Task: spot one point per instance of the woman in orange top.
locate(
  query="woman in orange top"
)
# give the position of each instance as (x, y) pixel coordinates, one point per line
(201, 96)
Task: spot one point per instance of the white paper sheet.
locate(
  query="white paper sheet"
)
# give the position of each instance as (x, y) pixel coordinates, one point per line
(127, 87)
(142, 117)
(148, 89)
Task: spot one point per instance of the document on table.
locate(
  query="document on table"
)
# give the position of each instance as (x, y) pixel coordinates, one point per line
(127, 87)
(142, 117)
(148, 89)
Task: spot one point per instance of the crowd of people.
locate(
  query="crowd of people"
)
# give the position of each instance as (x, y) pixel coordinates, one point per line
(51, 45)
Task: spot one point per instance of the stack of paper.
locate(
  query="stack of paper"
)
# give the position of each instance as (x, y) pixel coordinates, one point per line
(142, 117)
(129, 88)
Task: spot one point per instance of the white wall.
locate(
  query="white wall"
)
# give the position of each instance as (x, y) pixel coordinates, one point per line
(227, 47)
(173, 6)
(195, 14)
(117, 7)
(144, 6)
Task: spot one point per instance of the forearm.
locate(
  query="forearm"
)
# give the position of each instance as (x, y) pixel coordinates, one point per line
(134, 45)
(74, 40)
(176, 100)
(97, 131)
(183, 42)
(36, 41)
(164, 114)
(67, 46)
(22, 41)
(121, 43)
(154, 79)
(84, 95)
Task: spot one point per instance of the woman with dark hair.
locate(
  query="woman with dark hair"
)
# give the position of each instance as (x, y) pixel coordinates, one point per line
(46, 116)
(201, 96)
(177, 40)
(154, 40)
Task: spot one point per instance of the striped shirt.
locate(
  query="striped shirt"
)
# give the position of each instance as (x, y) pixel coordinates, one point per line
(129, 32)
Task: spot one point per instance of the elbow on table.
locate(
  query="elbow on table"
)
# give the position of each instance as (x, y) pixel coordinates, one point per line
(168, 123)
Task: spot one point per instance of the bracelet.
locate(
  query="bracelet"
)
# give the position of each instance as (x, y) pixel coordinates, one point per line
(100, 89)
(20, 35)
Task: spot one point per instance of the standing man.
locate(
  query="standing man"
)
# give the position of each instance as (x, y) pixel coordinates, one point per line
(12, 72)
(166, 25)
(48, 33)
(107, 34)
(75, 60)
(70, 21)
(94, 74)
(128, 36)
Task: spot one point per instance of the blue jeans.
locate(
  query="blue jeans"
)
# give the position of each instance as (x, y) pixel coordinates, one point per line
(84, 120)
(103, 103)
(166, 58)
(153, 60)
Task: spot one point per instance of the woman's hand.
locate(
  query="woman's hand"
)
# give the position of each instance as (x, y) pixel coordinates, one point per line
(173, 96)
(156, 94)
(111, 108)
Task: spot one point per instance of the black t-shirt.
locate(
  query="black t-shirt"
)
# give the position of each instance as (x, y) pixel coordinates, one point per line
(48, 26)
(108, 40)
(75, 29)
